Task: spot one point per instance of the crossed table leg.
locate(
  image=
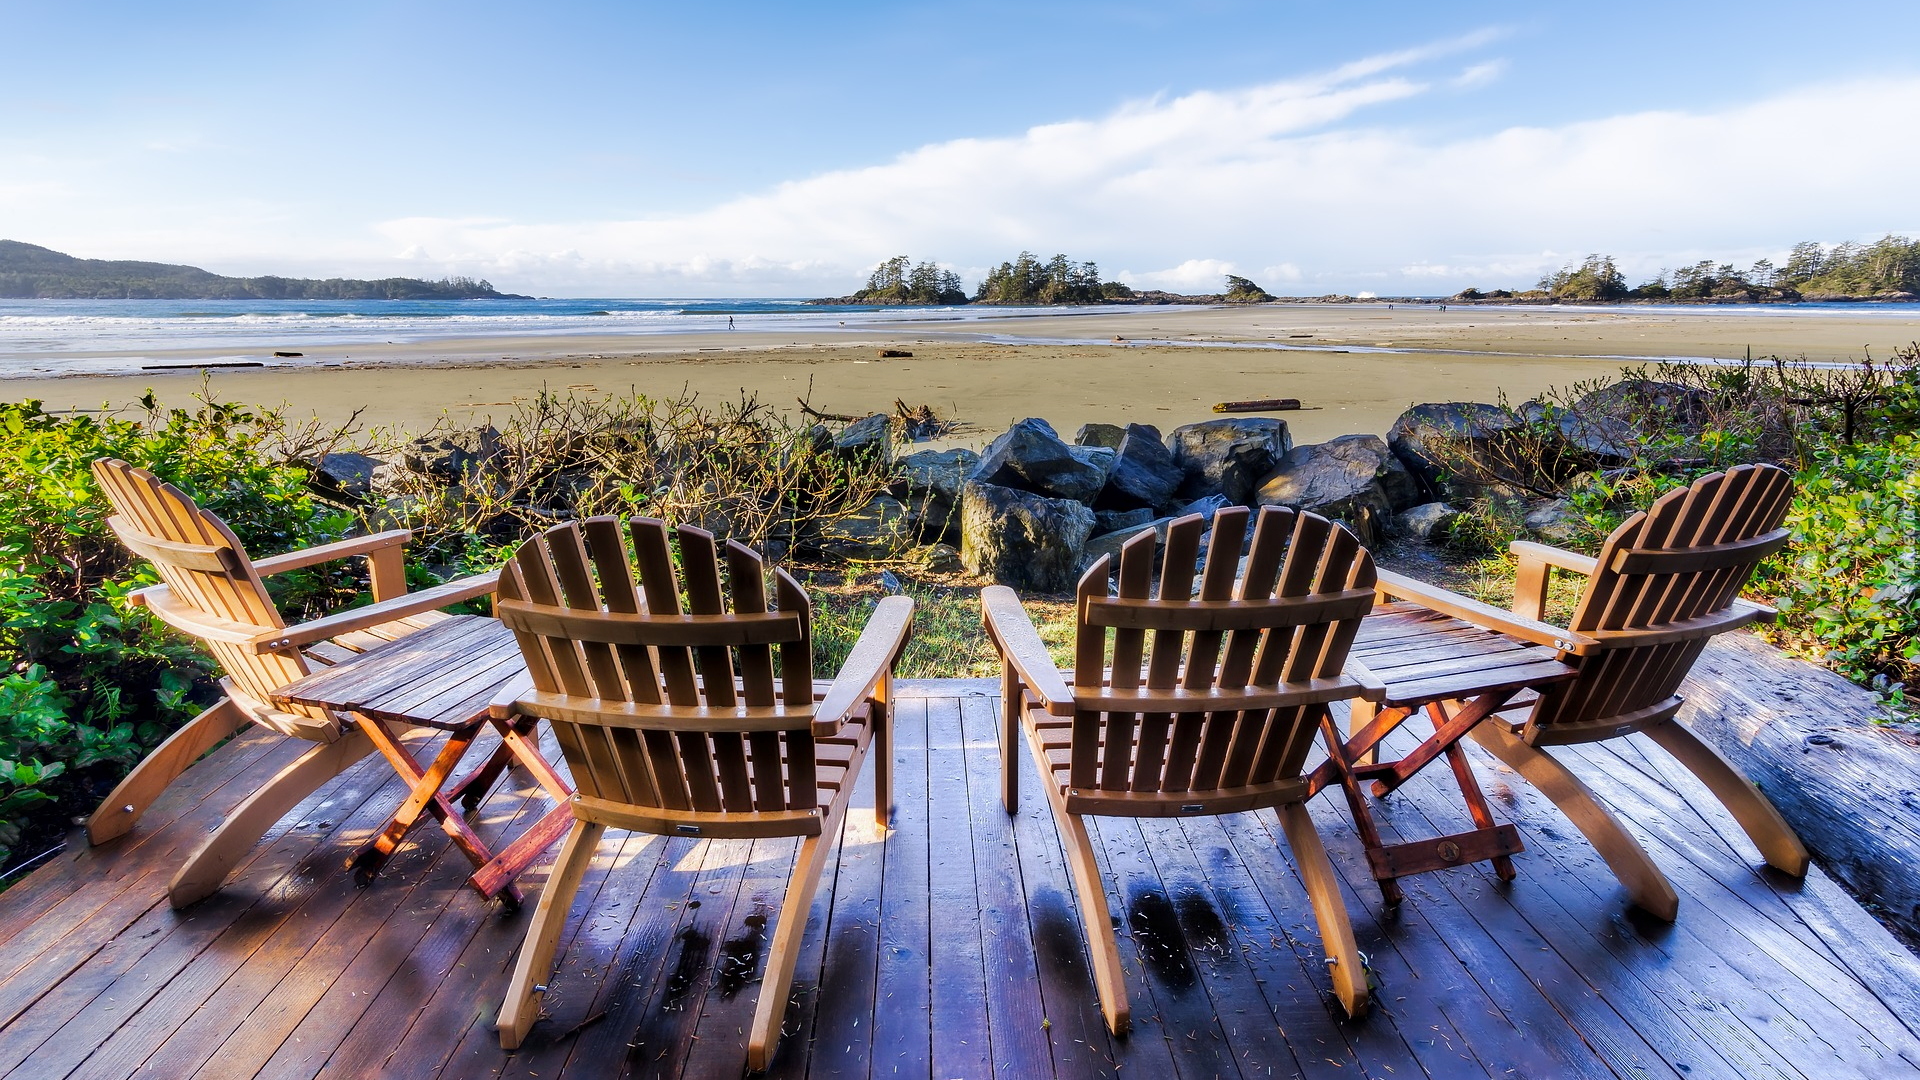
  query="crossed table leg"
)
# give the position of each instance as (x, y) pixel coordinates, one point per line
(428, 795)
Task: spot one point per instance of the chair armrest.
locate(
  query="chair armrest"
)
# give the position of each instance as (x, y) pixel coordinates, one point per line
(1559, 558)
(505, 703)
(1757, 612)
(376, 613)
(343, 549)
(872, 658)
(1371, 686)
(1485, 616)
(1535, 565)
(1021, 649)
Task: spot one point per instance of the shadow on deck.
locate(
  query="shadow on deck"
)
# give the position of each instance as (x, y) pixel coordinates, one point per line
(951, 948)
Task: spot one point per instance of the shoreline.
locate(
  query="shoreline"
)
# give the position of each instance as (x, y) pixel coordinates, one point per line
(1356, 367)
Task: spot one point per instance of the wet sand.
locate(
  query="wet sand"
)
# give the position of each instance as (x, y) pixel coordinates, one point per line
(1170, 367)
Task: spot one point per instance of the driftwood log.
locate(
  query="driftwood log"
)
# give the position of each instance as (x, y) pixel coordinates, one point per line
(1275, 404)
(816, 414)
(1807, 737)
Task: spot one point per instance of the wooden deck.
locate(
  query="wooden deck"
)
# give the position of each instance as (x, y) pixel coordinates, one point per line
(951, 948)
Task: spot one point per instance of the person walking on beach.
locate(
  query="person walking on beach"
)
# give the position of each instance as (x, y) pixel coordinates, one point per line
(729, 322)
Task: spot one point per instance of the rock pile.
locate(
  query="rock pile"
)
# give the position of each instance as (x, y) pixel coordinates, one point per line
(1033, 510)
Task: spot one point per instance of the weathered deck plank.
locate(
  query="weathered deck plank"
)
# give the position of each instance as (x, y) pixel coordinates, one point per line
(950, 946)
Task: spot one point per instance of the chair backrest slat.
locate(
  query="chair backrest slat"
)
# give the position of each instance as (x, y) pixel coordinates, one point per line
(572, 598)
(1283, 616)
(747, 574)
(1671, 568)
(1134, 580)
(796, 686)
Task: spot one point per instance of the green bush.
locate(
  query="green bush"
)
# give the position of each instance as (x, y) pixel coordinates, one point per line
(92, 683)
(1849, 586)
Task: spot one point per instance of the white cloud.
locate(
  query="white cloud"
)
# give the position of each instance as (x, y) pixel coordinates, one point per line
(1480, 74)
(1194, 275)
(1276, 176)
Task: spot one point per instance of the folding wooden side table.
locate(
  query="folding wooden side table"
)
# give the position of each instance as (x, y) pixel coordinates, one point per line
(1460, 675)
(443, 677)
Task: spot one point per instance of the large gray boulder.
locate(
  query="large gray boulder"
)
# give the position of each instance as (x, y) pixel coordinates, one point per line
(1100, 457)
(1022, 539)
(1339, 479)
(1031, 457)
(1106, 521)
(1553, 520)
(939, 559)
(871, 437)
(929, 484)
(1591, 438)
(877, 530)
(1143, 474)
(1108, 435)
(1229, 456)
(348, 473)
(1446, 445)
(455, 455)
(1424, 521)
(1111, 543)
(1206, 506)
(1633, 399)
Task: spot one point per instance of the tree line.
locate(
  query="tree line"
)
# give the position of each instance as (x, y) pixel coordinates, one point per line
(31, 272)
(1888, 265)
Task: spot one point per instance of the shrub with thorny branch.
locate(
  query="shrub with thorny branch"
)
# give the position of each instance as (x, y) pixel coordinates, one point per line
(739, 469)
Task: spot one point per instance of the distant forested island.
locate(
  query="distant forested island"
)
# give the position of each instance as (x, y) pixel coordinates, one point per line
(1887, 269)
(1025, 280)
(31, 272)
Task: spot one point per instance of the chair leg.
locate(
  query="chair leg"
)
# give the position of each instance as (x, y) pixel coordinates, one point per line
(1348, 971)
(1630, 863)
(216, 857)
(1109, 978)
(1763, 823)
(1012, 700)
(882, 751)
(535, 964)
(776, 983)
(1390, 890)
(121, 811)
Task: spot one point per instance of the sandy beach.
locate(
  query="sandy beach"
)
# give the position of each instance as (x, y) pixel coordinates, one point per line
(1354, 367)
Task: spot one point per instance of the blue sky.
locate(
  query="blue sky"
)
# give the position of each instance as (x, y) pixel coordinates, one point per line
(781, 149)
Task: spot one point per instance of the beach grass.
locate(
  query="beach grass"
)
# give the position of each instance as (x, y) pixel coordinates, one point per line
(948, 640)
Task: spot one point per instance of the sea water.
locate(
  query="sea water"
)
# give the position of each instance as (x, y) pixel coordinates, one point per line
(54, 337)
(40, 338)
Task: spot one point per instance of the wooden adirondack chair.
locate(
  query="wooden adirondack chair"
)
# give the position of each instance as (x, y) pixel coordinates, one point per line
(1665, 582)
(1216, 718)
(213, 591)
(674, 721)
